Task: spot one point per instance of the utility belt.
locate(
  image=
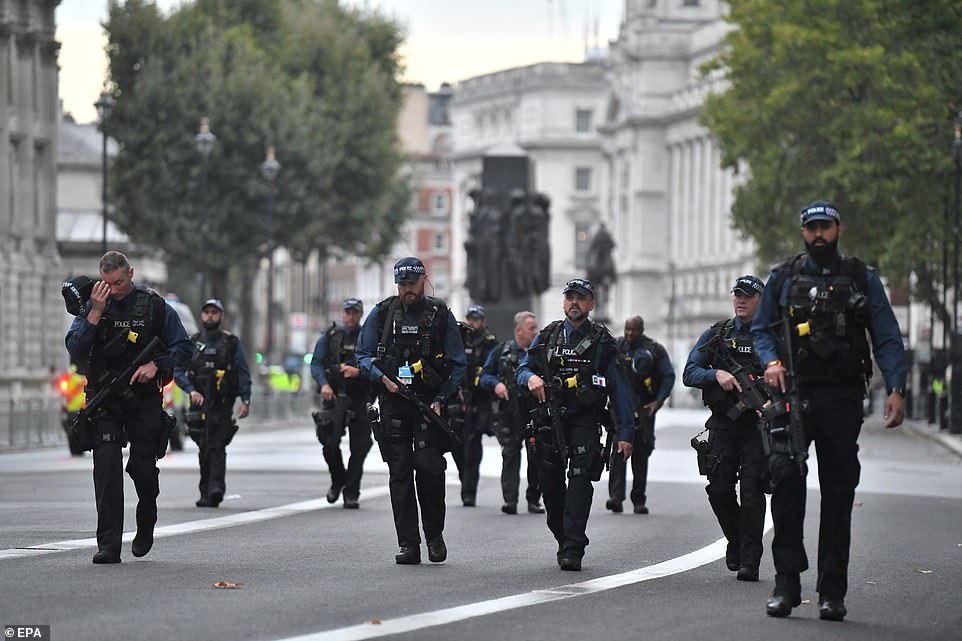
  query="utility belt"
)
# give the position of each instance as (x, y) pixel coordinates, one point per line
(389, 430)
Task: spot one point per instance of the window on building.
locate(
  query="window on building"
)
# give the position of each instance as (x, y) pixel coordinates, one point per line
(581, 244)
(439, 202)
(583, 121)
(582, 178)
(690, 3)
(440, 244)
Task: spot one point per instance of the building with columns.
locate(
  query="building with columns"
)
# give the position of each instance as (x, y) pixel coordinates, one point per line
(667, 198)
(31, 316)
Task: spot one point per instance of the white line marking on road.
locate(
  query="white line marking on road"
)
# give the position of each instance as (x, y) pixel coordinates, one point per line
(189, 527)
(414, 622)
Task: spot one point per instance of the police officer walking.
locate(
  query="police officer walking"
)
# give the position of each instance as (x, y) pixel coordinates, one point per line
(476, 400)
(499, 377)
(651, 376)
(344, 398)
(118, 322)
(410, 345)
(824, 302)
(215, 377)
(735, 448)
(572, 368)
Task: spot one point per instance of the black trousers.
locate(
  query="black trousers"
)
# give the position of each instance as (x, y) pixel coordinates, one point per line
(642, 447)
(567, 486)
(468, 458)
(139, 423)
(359, 439)
(212, 442)
(512, 443)
(416, 467)
(738, 453)
(833, 421)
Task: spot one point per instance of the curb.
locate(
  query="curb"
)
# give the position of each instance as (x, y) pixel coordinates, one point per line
(951, 442)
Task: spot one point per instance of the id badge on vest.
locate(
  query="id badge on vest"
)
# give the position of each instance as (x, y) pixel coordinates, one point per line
(405, 374)
(598, 380)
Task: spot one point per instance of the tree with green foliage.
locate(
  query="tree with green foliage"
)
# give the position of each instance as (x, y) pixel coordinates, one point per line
(851, 101)
(312, 78)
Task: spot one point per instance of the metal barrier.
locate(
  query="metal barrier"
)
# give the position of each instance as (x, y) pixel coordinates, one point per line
(30, 423)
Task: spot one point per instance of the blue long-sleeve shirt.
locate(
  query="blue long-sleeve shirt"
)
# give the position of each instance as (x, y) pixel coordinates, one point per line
(883, 327)
(698, 371)
(80, 338)
(490, 376)
(239, 364)
(619, 390)
(318, 372)
(453, 350)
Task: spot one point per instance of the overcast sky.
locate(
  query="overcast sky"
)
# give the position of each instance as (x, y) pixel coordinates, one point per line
(447, 40)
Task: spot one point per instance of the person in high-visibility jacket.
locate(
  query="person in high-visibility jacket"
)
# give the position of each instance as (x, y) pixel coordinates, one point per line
(71, 386)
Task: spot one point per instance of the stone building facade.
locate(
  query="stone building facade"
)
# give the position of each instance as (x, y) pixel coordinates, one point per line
(31, 316)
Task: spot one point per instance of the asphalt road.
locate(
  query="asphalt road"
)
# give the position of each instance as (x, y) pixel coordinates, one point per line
(308, 570)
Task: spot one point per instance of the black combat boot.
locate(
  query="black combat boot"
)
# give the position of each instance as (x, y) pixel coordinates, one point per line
(510, 508)
(535, 507)
(437, 551)
(146, 520)
(786, 595)
(614, 505)
(334, 492)
(732, 557)
(831, 608)
(408, 555)
(106, 556)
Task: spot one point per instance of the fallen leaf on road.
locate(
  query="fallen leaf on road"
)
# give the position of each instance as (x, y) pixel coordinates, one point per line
(807, 601)
(857, 504)
(925, 571)
(375, 622)
(871, 583)
(226, 585)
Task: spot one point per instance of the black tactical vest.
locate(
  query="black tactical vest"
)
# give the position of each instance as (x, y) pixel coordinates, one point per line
(583, 364)
(829, 315)
(418, 336)
(341, 347)
(212, 370)
(645, 384)
(730, 346)
(508, 365)
(477, 345)
(125, 328)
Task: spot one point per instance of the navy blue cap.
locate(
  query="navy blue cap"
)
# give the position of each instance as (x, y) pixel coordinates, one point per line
(213, 302)
(819, 210)
(580, 285)
(476, 310)
(748, 285)
(408, 269)
(354, 303)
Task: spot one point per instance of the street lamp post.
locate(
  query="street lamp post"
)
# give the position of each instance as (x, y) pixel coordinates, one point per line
(104, 105)
(269, 170)
(955, 386)
(204, 140)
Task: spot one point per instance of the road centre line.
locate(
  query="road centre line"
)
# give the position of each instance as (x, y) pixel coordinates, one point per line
(190, 527)
(414, 622)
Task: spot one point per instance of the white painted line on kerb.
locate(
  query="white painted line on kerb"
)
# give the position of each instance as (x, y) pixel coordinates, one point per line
(424, 620)
(189, 527)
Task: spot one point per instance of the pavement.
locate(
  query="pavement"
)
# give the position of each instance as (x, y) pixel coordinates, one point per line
(951, 442)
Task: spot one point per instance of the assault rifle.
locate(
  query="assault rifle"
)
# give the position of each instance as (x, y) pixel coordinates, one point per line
(791, 404)
(754, 395)
(548, 415)
(109, 386)
(433, 418)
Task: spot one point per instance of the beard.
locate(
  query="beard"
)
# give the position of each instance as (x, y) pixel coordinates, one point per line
(575, 314)
(211, 325)
(822, 252)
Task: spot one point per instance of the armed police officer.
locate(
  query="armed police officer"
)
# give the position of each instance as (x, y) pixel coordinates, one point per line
(499, 377)
(216, 376)
(651, 376)
(724, 366)
(108, 338)
(572, 369)
(810, 331)
(344, 398)
(410, 347)
(476, 402)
